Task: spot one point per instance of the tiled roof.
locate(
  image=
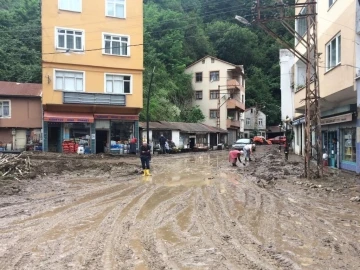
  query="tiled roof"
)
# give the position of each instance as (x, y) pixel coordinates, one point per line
(20, 89)
(183, 127)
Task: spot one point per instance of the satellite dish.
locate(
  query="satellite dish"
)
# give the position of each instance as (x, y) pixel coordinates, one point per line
(242, 20)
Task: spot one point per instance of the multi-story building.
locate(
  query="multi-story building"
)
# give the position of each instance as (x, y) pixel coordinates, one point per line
(92, 70)
(255, 123)
(220, 94)
(338, 43)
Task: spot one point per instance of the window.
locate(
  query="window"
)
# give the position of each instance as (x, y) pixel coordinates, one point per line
(198, 95)
(348, 144)
(212, 60)
(214, 94)
(118, 84)
(116, 8)
(116, 45)
(331, 2)
(333, 52)
(69, 80)
(214, 76)
(214, 114)
(260, 122)
(198, 76)
(301, 24)
(69, 39)
(4, 108)
(247, 121)
(70, 5)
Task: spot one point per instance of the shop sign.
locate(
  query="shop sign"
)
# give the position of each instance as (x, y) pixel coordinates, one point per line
(116, 117)
(337, 119)
(71, 120)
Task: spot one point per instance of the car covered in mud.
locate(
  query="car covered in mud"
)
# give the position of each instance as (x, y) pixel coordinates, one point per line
(239, 144)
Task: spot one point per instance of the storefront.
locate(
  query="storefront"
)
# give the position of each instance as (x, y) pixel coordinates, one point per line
(339, 140)
(99, 133)
(65, 132)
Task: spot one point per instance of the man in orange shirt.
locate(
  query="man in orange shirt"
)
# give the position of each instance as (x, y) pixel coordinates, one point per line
(235, 155)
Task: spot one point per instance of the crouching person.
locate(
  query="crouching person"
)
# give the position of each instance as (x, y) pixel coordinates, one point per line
(247, 152)
(235, 155)
(145, 156)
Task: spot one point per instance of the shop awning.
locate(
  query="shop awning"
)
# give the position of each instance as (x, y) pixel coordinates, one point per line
(117, 117)
(68, 117)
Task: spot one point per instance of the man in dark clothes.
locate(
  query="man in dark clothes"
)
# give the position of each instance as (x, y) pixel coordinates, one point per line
(145, 156)
(162, 141)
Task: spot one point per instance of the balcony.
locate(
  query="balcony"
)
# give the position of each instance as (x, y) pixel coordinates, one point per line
(94, 99)
(232, 123)
(234, 84)
(233, 104)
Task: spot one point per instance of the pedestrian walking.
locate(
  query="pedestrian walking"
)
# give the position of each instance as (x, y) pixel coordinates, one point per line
(162, 141)
(234, 156)
(247, 151)
(145, 156)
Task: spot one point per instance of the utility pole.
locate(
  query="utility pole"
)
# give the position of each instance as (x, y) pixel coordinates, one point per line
(148, 108)
(278, 12)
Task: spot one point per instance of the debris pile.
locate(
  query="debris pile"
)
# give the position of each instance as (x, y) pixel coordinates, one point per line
(14, 166)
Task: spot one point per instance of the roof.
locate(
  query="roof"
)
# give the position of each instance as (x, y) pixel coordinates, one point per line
(209, 56)
(247, 109)
(183, 127)
(20, 89)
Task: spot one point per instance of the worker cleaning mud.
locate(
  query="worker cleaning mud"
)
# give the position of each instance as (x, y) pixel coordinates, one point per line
(234, 156)
(145, 156)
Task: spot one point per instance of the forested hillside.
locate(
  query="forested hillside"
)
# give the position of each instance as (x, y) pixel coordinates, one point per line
(177, 32)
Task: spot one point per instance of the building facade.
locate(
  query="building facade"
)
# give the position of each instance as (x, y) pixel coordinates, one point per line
(20, 115)
(337, 49)
(219, 91)
(255, 122)
(92, 72)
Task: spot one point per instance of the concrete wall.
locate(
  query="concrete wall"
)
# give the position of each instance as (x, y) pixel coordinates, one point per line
(25, 113)
(287, 94)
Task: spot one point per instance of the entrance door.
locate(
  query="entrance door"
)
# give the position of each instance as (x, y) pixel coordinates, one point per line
(101, 140)
(54, 139)
(20, 139)
(213, 140)
(192, 143)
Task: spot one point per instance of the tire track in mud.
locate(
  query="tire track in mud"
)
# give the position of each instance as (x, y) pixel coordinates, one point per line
(50, 219)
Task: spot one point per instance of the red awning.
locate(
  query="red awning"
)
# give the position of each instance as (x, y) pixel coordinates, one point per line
(116, 117)
(68, 117)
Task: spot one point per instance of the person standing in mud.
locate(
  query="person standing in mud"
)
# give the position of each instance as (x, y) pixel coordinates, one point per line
(235, 155)
(247, 151)
(145, 156)
(162, 141)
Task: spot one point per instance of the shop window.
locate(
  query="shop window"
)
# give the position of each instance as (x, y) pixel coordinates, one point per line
(201, 139)
(121, 131)
(349, 144)
(157, 133)
(79, 132)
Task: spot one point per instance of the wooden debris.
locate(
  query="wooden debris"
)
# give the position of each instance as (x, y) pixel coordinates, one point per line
(14, 166)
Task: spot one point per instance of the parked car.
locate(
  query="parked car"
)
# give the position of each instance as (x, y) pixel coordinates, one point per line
(278, 140)
(239, 144)
(261, 140)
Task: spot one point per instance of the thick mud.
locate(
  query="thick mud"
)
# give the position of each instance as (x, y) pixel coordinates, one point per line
(195, 212)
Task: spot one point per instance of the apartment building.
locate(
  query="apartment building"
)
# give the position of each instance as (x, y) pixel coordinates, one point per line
(338, 47)
(255, 123)
(219, 91)
(92, 68)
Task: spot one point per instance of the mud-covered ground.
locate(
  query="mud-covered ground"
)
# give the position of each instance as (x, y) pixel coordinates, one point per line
(195, 212)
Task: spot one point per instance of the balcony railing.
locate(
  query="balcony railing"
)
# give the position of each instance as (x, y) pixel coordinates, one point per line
(232, 84)
(232, 123)
(234, 104)
(94, 99)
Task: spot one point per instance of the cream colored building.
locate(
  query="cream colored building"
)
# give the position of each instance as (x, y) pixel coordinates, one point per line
(338, 31)
(219, 91)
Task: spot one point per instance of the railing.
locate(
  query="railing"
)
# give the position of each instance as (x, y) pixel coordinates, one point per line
(232, 123)
(235, 104)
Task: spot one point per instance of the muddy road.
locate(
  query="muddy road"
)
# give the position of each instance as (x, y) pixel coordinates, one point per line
(195, 212)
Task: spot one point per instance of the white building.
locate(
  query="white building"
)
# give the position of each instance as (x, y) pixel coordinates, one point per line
(255, 120)
(219, 91)
(287, 60)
